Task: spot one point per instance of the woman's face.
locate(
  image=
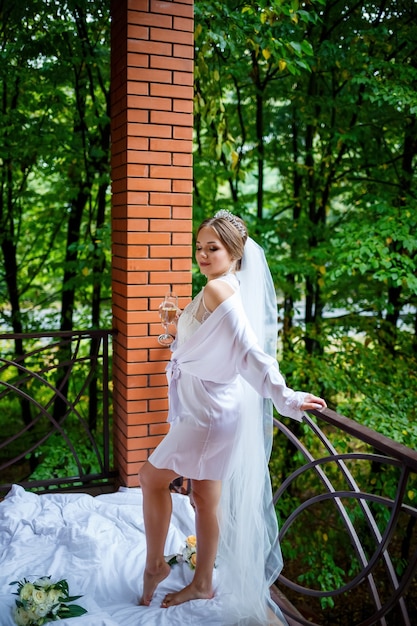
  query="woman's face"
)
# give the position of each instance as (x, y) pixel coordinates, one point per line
(212, 256)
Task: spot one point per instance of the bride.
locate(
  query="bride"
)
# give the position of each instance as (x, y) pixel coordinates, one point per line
(222, 377)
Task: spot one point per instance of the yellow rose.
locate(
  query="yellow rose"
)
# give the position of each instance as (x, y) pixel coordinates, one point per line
(26, 591)
(193, 560)
(191, 541)
(39, 596)
(32, 614)
(21, 617)
(54, 596)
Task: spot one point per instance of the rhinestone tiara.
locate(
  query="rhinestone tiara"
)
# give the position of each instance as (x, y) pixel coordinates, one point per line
(226, 215)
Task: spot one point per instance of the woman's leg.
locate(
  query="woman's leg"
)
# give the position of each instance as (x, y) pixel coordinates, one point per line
(206, 495)
(157, 509)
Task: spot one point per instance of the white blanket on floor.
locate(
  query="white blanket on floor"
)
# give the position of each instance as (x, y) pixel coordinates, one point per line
(98, 545)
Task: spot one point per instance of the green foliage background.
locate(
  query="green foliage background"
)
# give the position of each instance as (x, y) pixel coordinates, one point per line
(305, 125)
(54, 214)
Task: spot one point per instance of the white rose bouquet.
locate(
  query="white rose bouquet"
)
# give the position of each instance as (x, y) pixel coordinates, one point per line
(43, 601)
(187, 555)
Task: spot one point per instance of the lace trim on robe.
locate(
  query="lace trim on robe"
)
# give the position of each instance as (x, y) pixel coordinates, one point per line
(197, 313)
(198, 309)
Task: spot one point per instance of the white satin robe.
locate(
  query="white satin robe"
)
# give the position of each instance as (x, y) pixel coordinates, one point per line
(205, 393)
(221, 428)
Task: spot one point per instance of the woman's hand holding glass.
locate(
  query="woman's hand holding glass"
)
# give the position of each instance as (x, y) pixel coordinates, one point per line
(168, 310)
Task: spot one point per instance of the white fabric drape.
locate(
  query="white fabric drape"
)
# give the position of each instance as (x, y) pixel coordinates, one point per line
(249, 552)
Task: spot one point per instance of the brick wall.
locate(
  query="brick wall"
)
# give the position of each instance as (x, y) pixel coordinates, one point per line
(152, 105)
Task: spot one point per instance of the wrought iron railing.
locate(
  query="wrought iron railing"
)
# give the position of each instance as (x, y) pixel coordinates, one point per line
(359, 488)
(344, 494)
(54, 391)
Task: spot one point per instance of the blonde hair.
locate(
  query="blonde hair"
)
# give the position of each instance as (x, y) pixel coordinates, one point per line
(232, 233)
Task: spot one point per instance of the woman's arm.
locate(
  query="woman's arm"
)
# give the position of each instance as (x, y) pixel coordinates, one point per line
(262, 373)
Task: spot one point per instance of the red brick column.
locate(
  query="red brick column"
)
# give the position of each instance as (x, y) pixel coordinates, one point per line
(152, 104)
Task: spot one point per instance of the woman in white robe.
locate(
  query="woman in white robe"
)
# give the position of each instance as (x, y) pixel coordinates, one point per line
(220, 431)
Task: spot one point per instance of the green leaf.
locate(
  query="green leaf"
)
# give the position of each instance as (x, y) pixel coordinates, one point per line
(72, 610)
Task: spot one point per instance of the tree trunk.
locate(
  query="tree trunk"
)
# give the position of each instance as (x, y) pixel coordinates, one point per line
(9, 250)
(95, 310)
(67, 301)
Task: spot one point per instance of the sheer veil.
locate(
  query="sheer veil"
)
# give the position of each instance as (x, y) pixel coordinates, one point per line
(249, 552)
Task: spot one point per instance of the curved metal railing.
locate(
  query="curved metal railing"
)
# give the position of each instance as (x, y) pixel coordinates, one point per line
(329, 483)
(57, 387)
(375, 527)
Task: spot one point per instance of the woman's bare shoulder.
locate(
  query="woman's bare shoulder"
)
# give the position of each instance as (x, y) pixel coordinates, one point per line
(215, 292)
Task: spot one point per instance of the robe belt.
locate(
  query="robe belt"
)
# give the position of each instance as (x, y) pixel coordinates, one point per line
(173, 373)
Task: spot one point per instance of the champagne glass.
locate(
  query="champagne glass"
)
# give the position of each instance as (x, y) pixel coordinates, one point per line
(168, 312)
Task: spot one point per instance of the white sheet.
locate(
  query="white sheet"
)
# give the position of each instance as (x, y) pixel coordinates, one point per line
(98, 545)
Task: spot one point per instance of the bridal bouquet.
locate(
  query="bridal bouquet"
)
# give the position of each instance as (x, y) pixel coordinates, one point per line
(187, 555)
(43, 601)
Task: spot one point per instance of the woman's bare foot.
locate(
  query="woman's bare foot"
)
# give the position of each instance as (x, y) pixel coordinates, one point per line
(191, 592)
(151, 579)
